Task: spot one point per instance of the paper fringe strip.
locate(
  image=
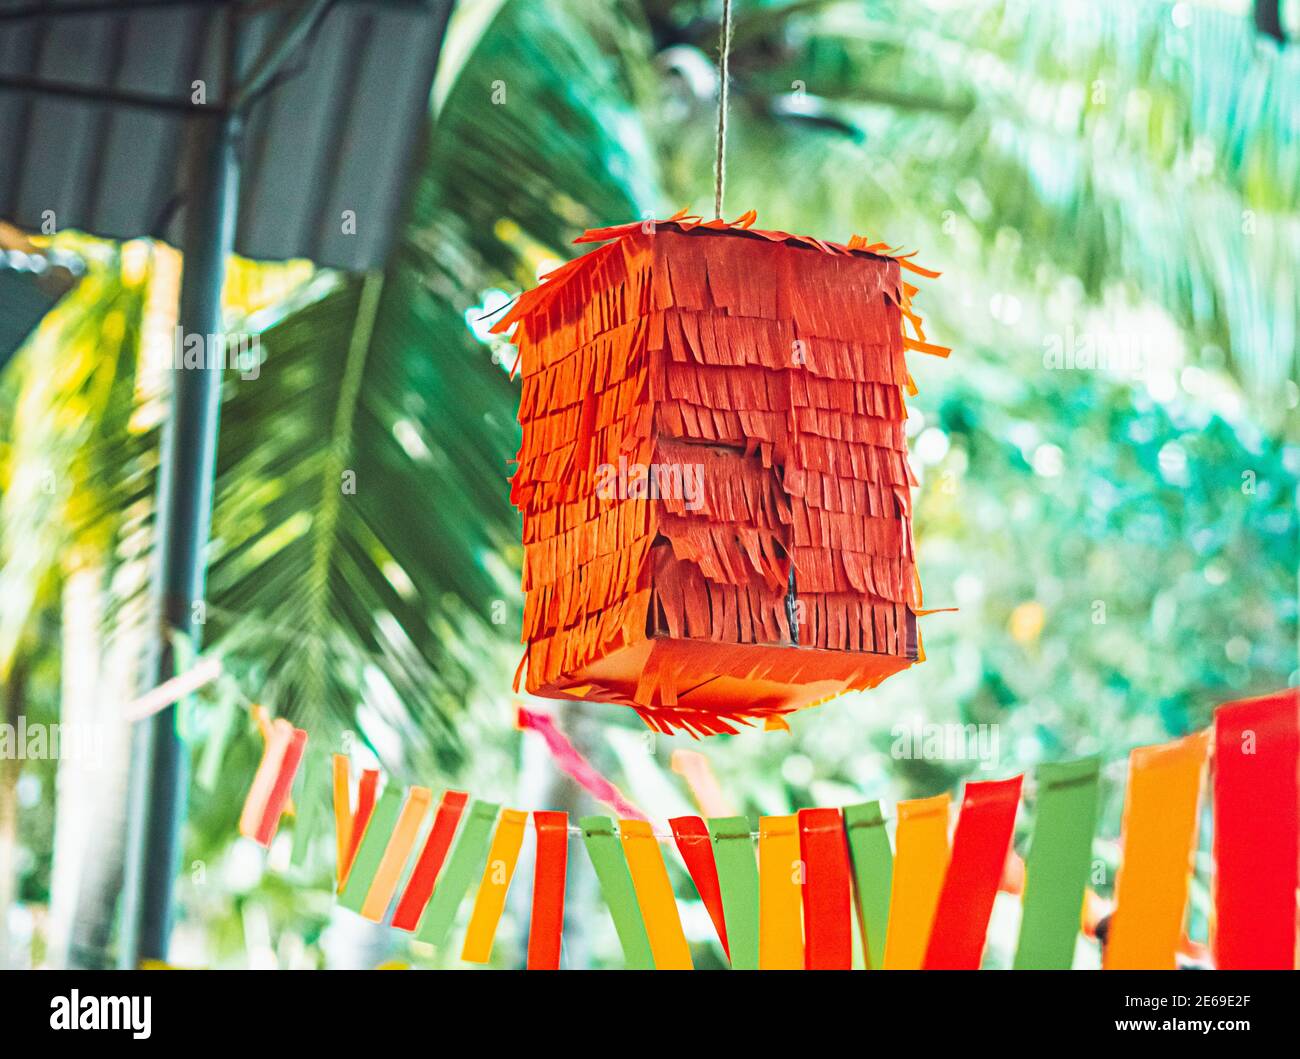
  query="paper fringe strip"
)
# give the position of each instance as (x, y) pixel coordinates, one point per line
(784, 901)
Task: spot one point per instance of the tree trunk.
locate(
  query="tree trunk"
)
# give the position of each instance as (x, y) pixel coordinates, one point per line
(90, 812)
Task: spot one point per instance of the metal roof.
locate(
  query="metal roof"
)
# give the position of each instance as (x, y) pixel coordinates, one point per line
(333, 130)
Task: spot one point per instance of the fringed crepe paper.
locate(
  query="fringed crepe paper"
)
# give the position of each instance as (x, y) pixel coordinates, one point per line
(1159, 835)
(713, 474)
(1256, 839)
(1057, 866)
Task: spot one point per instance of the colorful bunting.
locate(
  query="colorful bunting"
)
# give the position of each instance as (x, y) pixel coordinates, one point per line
(342, 815)
(1159, 835)
(371, 848)
(420, 886)
(400, 843)
(491, 900)
(365, 806)
(920, 862)
(654, 895)
(549, 870)
(1056, 869)
(873, 873)
(616, 885)
(466, 858)
(1256, 831)
(979, 853)
(786, 903)
(780, 886)
(269, 794)
(733, 853)
(696, 848)
(828, 924)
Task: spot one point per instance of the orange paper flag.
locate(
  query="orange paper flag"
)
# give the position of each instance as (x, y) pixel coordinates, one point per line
(1159, 837)
(920, 863)
(780, 898)
(396, 854)
(491, 899)
(654, 893)
(342, 813)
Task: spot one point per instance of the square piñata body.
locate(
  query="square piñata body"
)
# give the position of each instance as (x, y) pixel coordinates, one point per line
(713, 475)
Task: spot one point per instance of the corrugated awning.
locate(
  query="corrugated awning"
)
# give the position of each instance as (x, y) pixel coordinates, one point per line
(332, 130)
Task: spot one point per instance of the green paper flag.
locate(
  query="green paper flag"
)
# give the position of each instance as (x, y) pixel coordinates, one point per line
(1056, 870)
(733, 852)
(873, 875)
(310, 806)
(379, 830)
(607, 857)
(466, 864)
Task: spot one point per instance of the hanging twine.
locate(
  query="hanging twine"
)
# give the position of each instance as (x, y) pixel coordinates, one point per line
(720, 160)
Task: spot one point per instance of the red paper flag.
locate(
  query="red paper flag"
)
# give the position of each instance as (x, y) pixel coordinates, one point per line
(693, 843)
(366, 791)
(828, 930)
(279, 798)
(979, 853)
(1256, 837)
(547, 927)
(425, 873)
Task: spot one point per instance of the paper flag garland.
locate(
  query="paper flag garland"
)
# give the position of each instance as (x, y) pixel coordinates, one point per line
(616, 886)
(733, 853)
(784, 901)
(979, 852)
(466, 860)
(419, 887)
(1164, 787)
(713, 472)
(920, 862)
(1056, 870)
(691, 835)
(780, 894)
(828, 930)
(873, 875)
(492, 890)
(549, 872)
(654, 895)
(1256, 832)
(268, 797)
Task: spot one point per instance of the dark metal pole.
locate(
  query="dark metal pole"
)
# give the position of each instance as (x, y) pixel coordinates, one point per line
(158, 766)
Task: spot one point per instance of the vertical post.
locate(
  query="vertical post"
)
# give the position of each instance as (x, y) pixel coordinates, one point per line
(159, 770)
